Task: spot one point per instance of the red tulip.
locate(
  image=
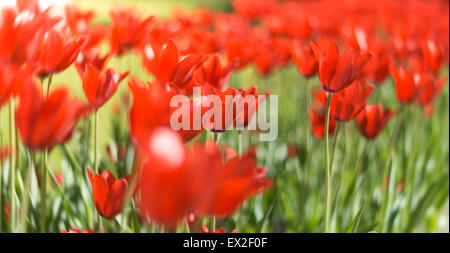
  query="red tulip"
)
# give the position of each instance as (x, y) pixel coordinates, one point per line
(21, 37)
(77, 230)
(372, 120)
(90, 52)
(317, 115)
(253, 8)
(151, 109)
(213, 73)
(12, 81)
(346, 104)
(304, 59)
(108, 192)
(230, 184)
(77, 20)
(336, 72)
(416, 86)
(45, 122)
(429, 86)
(176, 180)
(433, 55)
(405, 86)
(100, 88)
(172, 68)
(128, 30)
(58, 52)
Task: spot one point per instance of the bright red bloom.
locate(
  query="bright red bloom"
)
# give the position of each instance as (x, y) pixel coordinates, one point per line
(317, 114)
(377, 69)
(411, 86)
(218, 230)
(336, 72)
(77, 230)
(372, 120)
(90, 52)
(405, 86)
(177, 180)
(304, 59)
(45, 122)
(429, 86)
(108, 192)
(171, 67)
(213, 73)
(253, 8)
(242, 49)
(77, 20)
(433, 55)
(151, 108)
(21, 37)
(100, 88)
(346, 104)
(230, 184)
(237, 108)
(58, 52)
(12, 81)
(128, 30)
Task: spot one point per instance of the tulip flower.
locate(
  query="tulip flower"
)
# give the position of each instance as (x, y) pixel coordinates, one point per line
(108, 193)
(337, 72)
(172, 68)
(21, 38)
(176, 180)
(304, 59)
(156, 97)
(13, 80)
(372, 120)
(127, 30)
(44, 122)
(253, 8)
(58, 52)
(213, 73)
(430, 87)
(100, 88)
(346, 104)
(405, 86)
(77, 20)
(415, 86)
(433, 55)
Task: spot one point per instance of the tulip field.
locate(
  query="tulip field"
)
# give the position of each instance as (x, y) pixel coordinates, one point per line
(241, 116)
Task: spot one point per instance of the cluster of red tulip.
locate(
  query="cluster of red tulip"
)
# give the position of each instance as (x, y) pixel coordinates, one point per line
(170, 179)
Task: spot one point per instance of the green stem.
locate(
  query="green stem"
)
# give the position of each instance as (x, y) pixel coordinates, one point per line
(96, 141)
(25, 192)
(240, 151)
(12, 169)
(213, 223)
(44, 173)
(328, 168)
(2, 211)
(186, 225)
(308, 136)
(387, 172)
